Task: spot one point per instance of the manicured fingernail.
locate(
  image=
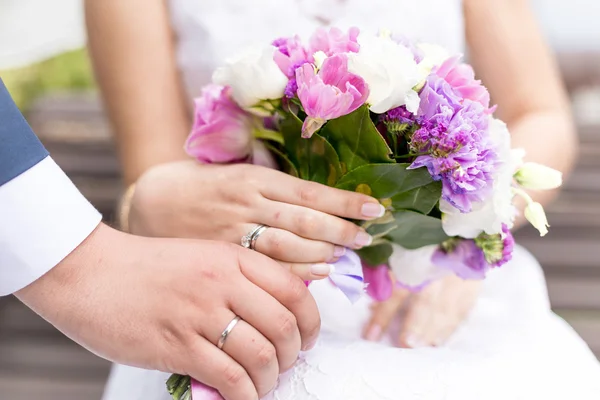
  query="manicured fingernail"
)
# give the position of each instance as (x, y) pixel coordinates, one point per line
(372, 210)
(373, 333)
(322, 269)
(309, 346)
(339, 251)
(363, 239)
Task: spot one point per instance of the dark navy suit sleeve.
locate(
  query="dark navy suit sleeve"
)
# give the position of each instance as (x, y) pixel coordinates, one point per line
(20, 149)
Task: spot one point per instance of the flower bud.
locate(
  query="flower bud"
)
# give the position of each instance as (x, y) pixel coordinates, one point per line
(534, 212)
(538, 177)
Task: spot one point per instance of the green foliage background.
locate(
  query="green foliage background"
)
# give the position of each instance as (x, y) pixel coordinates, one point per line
(69, 71)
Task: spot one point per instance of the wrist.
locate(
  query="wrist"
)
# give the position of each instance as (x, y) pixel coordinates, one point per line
(40, 294)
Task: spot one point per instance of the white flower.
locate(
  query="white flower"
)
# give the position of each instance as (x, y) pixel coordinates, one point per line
(534, 212)
(496, 210)
(433, 56)
(253, 76)
(414, 268)
(390, 71)
(538, 177)
(319, 58)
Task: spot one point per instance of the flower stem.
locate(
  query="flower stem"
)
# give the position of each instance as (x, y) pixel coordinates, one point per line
(179, 387)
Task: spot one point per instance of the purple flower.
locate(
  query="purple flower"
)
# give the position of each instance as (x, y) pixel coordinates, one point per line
(461, 78)
(329, 93)
(379, 282)
(465, 259)
(397, 119)
(454, 135)
(334, 41)
(290, 55)
(508, 246)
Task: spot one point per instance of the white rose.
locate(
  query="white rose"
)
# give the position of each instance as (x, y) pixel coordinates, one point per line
(253, 76)
(413, 268)
(390, 71)
(498, 209)
(433, 56)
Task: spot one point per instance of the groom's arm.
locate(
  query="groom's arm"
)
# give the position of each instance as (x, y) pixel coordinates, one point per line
(43, 217)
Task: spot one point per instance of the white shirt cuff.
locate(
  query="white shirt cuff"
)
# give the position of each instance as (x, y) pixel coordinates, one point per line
(43, 218)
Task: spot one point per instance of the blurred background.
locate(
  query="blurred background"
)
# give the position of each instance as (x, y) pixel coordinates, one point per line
(44, 63)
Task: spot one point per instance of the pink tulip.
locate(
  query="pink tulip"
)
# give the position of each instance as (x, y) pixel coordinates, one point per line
(334, 41)
(222, 131)
(329, 93)
(202, 392)
(461, 77)
(379, 282)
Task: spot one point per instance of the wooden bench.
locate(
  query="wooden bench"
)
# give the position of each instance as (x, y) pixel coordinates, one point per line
(36, 361)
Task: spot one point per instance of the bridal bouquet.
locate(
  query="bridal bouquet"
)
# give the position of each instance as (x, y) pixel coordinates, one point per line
(406, 123)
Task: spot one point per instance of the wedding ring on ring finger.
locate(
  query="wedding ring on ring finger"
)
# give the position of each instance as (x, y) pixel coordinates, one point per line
(227, 331)
(249, 240)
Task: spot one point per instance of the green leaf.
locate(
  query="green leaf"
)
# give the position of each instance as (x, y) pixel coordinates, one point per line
(285, 163)
(268, 134)
(314, 158)
(389, 181)
(416, 230)
(375, 255)
(356, 140)
(421, 199)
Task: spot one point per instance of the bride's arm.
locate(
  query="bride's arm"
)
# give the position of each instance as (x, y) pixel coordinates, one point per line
(510, 56)
(131, 46)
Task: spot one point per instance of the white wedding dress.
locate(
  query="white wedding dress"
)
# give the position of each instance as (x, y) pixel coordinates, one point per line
(511, 347)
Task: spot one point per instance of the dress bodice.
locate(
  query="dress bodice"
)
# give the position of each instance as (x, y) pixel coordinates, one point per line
(210, 31)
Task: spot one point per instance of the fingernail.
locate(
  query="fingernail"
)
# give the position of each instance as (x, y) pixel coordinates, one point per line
(309, 346)
(373, 333)
(339, 251)
(322, 269)
(373, 210)
(363, 239)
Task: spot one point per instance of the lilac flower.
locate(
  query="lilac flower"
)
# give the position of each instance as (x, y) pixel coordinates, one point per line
(497, 248)
(508, 246)
(329, 93)
(454, 134)
(465, 259)
(334, 41)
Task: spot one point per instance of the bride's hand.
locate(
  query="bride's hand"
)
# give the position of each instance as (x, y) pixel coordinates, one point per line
(431, 316)
(226, 202)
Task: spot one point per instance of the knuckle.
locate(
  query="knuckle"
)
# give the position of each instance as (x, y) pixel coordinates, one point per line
(233, 375)
(266, 355)
(275, 243)
(307, 223)
(307, 193)
(348, 233)
(295, 289)
(287, 325)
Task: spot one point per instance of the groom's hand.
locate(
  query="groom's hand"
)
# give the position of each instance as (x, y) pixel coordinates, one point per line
(163, 304)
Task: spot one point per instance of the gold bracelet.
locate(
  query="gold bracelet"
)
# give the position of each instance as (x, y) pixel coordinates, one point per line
(125, 208)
